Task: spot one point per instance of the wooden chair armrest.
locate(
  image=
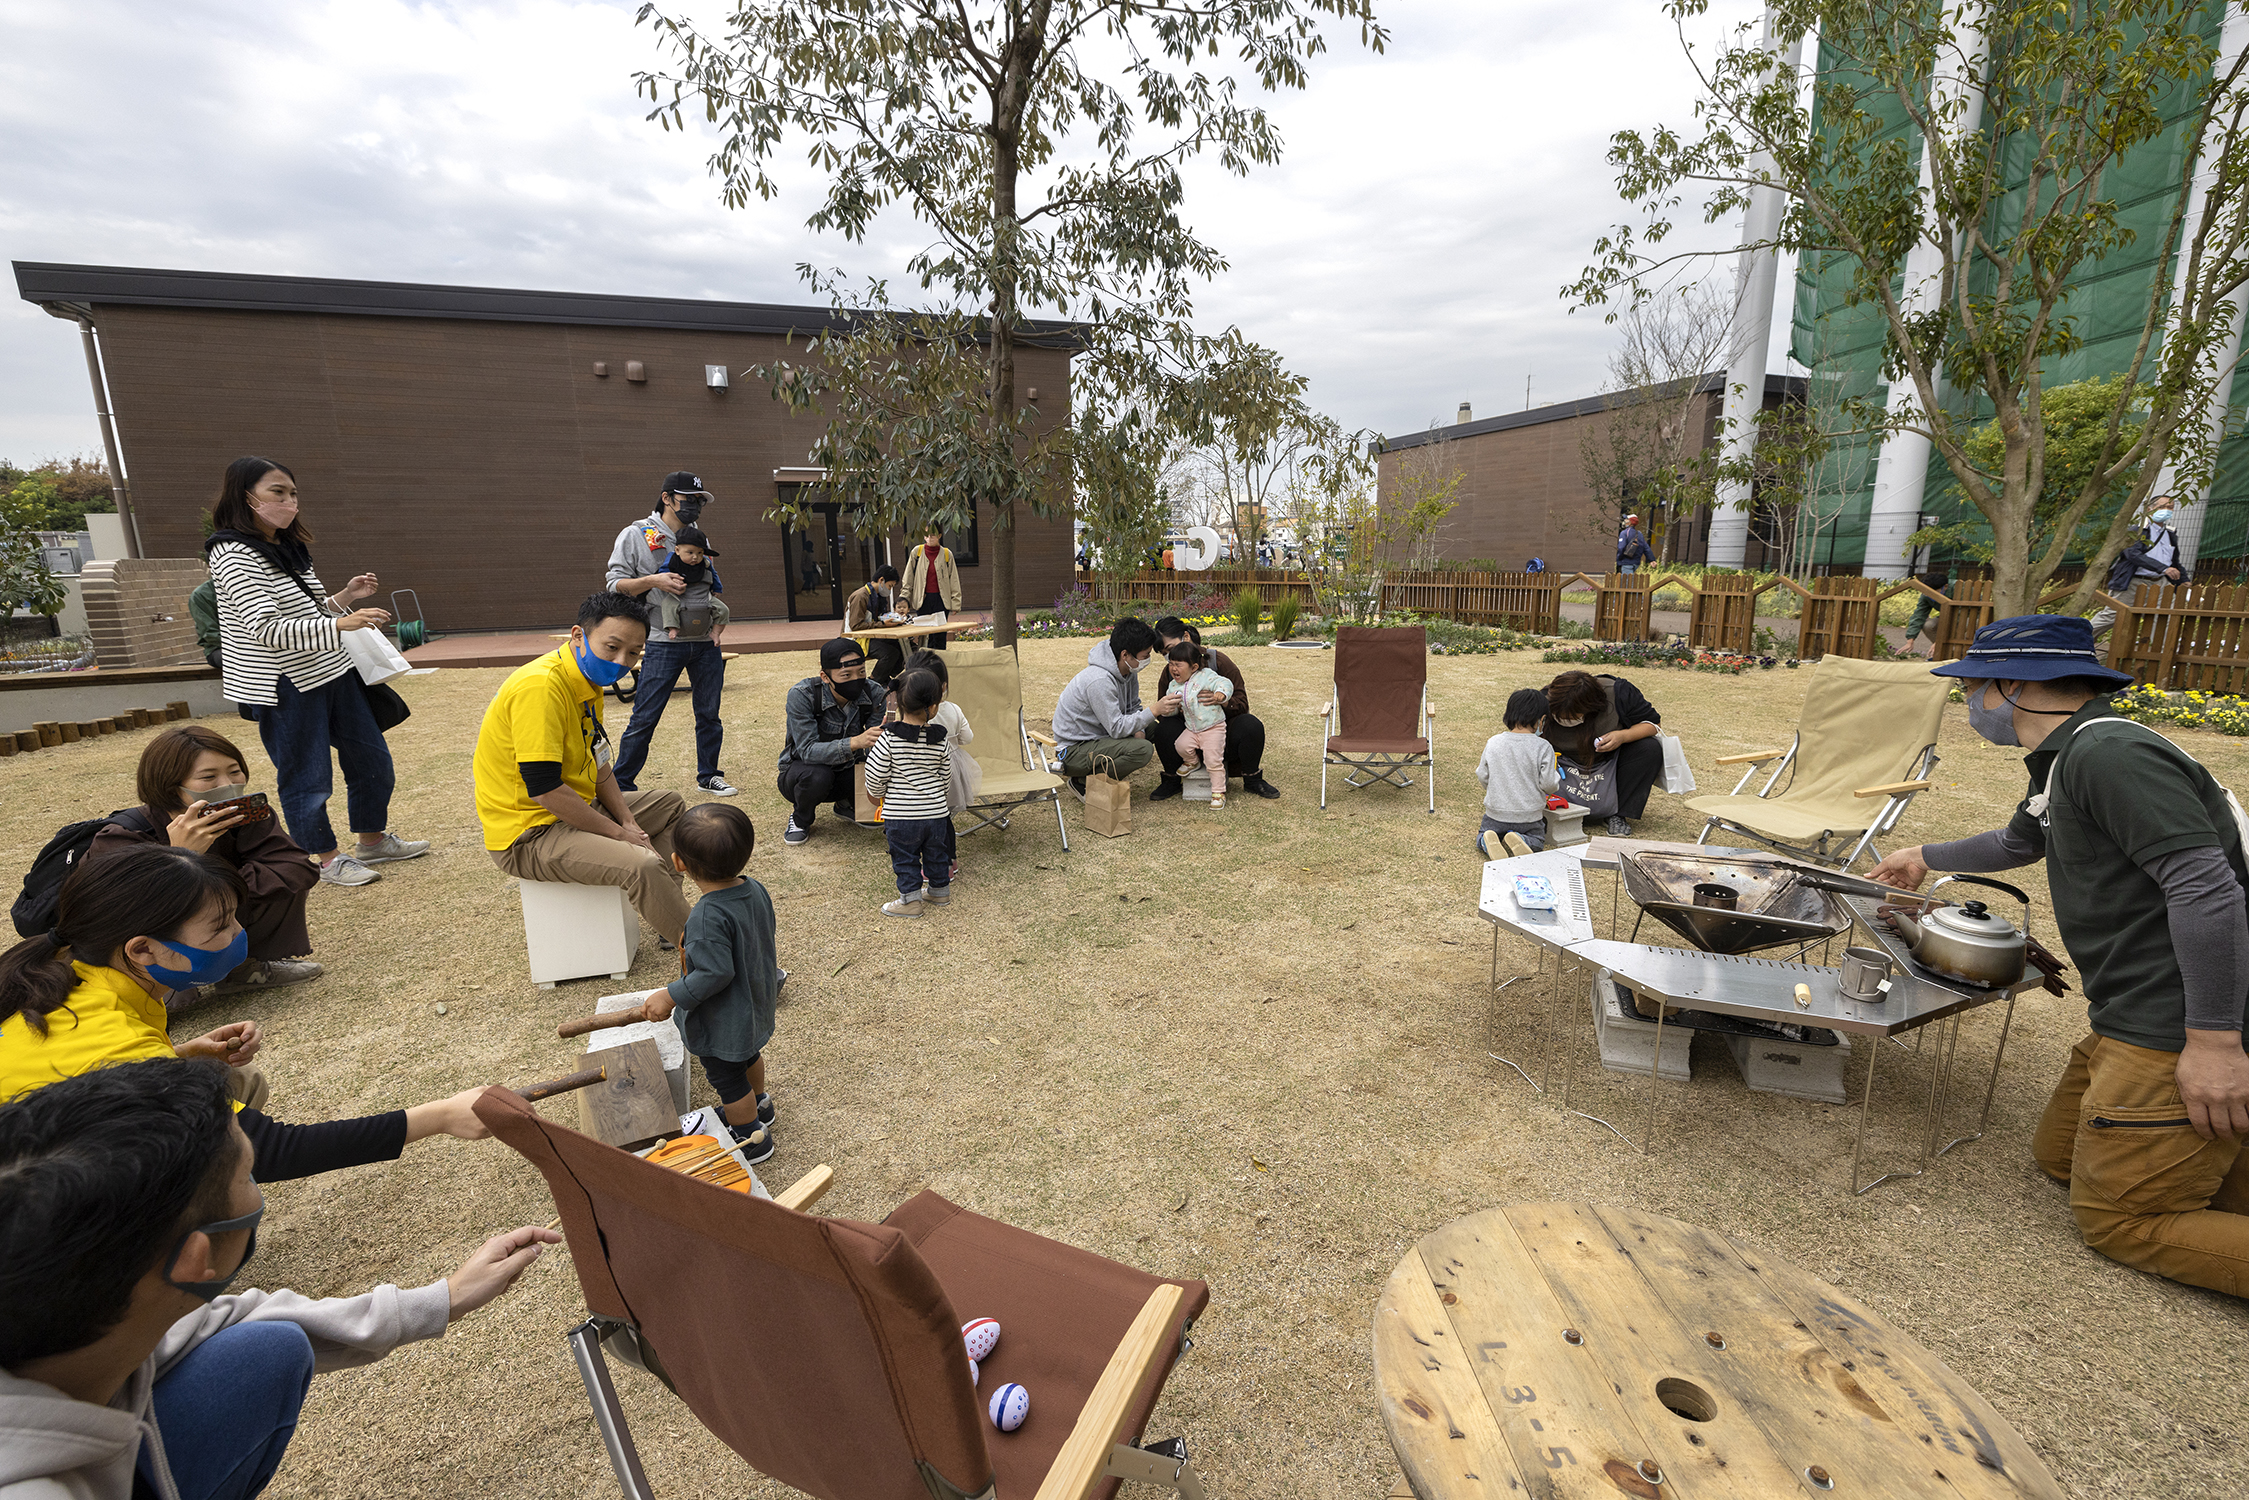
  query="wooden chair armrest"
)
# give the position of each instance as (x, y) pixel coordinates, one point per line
(1891, 789)
(1322, 711)
(808, 1189)
(1754, 755)
(1079, 1468)
(1037, 738)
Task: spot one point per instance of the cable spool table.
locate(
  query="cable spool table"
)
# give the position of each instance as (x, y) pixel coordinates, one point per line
(1564, 1350)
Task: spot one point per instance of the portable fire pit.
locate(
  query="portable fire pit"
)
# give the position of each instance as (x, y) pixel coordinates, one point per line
(1732, 906)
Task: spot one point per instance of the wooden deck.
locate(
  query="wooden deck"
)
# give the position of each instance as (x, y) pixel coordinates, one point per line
(741, 638)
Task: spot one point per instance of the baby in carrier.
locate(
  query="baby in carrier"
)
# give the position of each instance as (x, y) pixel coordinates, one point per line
(694, 613)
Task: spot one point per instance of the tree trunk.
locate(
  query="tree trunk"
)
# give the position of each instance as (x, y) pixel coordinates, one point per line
(1010, 101)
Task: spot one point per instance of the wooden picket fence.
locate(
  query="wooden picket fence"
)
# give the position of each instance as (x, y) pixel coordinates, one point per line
(1521, 601)
(2186, 637)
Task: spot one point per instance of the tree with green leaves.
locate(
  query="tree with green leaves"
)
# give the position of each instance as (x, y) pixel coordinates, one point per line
(1014, 130)
(2077, 420)
(2003, 138)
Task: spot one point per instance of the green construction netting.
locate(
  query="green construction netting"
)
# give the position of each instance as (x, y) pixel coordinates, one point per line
(2107, 305)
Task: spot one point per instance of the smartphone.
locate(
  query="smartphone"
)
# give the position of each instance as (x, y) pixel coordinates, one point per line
(252, 806)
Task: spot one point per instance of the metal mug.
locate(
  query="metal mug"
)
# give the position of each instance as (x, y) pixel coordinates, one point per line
(1864, 969)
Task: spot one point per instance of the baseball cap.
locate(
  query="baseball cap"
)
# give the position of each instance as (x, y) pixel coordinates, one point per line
(689, 536)
(680, 482)
(840, 651)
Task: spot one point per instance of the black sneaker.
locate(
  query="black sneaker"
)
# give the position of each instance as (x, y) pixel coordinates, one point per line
(793, 834)
(847, 811)
(1620, 828)
(765, 1109)
(717, 785)
(1167, 787)
(1261, 787)
(755, 1139)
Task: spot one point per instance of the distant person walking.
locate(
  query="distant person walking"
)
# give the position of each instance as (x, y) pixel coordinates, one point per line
(640, 563)
(2152, 556)
(1632, 547)
(281, 651)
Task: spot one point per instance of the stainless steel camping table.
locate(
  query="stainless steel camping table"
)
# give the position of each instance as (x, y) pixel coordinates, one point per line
(1554, 932)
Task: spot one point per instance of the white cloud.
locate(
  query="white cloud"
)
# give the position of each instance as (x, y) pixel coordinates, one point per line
(1406, 254)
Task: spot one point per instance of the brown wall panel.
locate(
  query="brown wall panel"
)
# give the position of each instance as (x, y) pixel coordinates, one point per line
(483, 464)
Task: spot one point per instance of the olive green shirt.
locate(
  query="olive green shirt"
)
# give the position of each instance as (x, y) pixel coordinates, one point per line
(2125, 796)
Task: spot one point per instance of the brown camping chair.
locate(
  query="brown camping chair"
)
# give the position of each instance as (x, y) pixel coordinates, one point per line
(828, 1353)
(1379, 722)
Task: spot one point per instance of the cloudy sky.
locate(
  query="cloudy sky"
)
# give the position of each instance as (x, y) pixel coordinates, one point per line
(1406, 255)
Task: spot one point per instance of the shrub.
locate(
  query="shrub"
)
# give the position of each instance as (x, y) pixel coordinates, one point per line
(1249, 611)
(1284, 617)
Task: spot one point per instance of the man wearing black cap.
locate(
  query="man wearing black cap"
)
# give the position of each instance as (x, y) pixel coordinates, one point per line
(641, 563)
(832, 720)
(2144, 859)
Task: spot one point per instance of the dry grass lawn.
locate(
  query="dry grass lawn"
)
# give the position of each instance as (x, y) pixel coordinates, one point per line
(1244, 1046)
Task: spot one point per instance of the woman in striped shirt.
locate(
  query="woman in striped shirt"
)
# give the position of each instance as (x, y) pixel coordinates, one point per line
(281, 649)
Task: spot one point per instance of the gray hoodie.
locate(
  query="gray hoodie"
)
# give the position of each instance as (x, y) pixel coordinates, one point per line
(53, 1447)
(1101, 703)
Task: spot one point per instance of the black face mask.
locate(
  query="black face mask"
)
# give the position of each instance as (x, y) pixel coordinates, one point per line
(690, 572)
(691, 507)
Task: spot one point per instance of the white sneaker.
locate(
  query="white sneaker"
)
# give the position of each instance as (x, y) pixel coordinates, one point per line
(1517, 846)
(344, 870)
(902, 907)
(717, 786)
(268, 974)
(391, 848)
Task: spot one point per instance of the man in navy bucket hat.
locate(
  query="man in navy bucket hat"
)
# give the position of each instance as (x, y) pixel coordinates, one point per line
(2144, 859)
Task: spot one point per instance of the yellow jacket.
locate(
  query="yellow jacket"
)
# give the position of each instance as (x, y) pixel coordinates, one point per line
(109, 1018)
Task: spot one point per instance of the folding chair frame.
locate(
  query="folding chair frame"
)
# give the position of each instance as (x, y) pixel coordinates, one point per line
(1900, 795)
(1384, 766)
(1096, 1435)
(996, 814)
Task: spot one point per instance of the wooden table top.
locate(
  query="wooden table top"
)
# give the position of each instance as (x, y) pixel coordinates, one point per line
(1559, 1349)
(906, 632)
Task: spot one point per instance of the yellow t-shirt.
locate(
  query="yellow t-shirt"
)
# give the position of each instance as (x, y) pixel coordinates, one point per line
(546, 710)
(109, 1018)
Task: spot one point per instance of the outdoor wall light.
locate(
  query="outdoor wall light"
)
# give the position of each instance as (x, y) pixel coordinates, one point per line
(714, 376)
(1031, 393)
(601, 369)
(635, 370)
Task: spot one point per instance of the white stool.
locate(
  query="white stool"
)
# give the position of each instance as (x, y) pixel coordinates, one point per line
(1196, 784)
(578, 931)
(1797, 1069)
(1565, 826)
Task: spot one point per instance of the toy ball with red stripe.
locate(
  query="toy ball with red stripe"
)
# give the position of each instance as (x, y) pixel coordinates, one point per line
(1010, 1404)
(980, 1334)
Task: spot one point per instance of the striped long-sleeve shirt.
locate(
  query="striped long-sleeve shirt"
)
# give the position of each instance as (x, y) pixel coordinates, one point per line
(911, 768)
(270, 628)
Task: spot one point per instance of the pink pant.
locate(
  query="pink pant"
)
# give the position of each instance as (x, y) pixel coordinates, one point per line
(1210, 742)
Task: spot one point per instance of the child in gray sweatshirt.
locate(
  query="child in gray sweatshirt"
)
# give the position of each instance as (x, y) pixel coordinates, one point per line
(1519, 774)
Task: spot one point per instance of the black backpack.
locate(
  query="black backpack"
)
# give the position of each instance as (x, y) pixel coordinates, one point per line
(34, 911)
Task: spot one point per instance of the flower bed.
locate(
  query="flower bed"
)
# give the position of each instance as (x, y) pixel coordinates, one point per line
(1674, 654)
(2226, 713)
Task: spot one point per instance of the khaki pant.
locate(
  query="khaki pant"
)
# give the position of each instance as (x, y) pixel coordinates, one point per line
(1128, 755)
(2145, 1188)
(572, 856)
(249, 1087)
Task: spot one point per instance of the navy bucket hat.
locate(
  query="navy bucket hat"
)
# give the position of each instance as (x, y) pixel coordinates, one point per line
(2034, 648)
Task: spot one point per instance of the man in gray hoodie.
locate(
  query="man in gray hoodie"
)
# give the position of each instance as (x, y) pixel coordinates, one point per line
(1098, 717)
(126, 1209)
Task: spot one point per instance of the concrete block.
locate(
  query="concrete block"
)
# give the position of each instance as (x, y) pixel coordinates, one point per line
(1628, 1044)
(1197, 784)
(577, 931)
(1565, 826)
(1771, 1066)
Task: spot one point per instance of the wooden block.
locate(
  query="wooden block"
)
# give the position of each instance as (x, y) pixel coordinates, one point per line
(632, 1108)
(7, 745)
(142, 718)
(88, 729)
(27, 739)
(106, 726)
(48, 732)
(179, 708)
(68, 733)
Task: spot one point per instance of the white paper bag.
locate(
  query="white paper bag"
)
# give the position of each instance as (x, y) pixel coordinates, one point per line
(1677, 779)
(373, 654)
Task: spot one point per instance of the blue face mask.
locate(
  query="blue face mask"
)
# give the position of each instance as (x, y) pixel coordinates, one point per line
(1994, 724)
(205, 965)
(599, 671)
(2161, 517)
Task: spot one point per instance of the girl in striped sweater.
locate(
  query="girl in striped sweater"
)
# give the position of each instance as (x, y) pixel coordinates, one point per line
(910, 767)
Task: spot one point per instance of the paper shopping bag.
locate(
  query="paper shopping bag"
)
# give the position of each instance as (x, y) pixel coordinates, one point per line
(865, 809)
(1108, 800)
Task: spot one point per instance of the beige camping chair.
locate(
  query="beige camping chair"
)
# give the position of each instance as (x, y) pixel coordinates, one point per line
(1868, 730)
(987, 686)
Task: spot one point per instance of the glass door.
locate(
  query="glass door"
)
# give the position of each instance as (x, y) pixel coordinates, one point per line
(812, 560)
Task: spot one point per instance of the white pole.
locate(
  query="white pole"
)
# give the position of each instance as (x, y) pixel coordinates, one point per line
(1755, 274)
(1902, 469)
(2188, 519)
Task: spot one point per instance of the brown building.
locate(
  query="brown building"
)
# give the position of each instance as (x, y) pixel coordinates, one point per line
(1524, 491)
(484, 447)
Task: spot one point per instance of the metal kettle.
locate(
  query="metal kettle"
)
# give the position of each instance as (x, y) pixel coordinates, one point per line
(1967, 942)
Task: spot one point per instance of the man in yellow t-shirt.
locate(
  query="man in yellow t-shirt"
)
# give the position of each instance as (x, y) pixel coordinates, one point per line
(550, 805)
